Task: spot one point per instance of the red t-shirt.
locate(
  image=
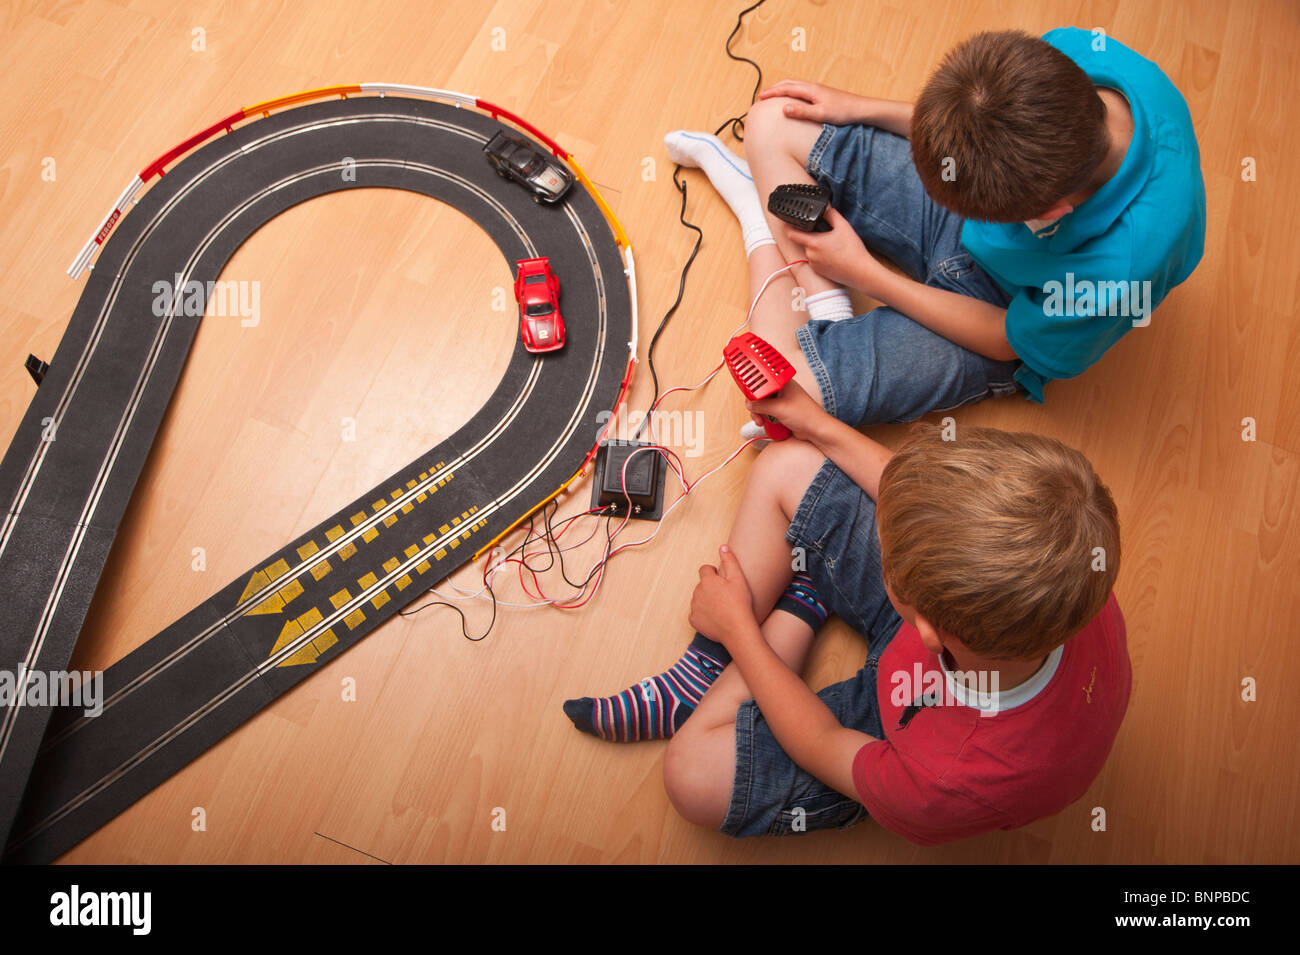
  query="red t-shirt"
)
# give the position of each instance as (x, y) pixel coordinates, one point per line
(984, 761)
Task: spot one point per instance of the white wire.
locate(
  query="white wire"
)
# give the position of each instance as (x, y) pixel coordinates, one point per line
(734, 332)
(610, 550)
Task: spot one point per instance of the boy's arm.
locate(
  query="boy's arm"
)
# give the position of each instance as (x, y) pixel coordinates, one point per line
(857, 455)
(804, 726)
(824, 104)
(973, 324)
(841, 256)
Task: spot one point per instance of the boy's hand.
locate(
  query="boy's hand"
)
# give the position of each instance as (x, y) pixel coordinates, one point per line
(839, 254)
(722, 607)
(794, 408)
(821, 104)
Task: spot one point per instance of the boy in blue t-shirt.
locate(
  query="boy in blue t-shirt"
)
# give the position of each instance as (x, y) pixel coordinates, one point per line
(1042, 197)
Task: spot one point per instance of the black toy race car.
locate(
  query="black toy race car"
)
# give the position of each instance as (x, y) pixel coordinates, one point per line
(538, 172)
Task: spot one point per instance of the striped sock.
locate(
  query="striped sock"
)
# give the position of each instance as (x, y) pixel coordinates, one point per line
(656, 707)
(802, 600)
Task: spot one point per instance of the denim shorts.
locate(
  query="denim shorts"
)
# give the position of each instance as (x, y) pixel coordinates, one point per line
(882, 366)
(835, 525)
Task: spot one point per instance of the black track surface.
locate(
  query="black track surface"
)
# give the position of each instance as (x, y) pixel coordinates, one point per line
(189, 686)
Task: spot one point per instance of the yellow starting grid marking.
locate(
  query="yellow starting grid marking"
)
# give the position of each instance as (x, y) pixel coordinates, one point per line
(263, 578)
(463, 527)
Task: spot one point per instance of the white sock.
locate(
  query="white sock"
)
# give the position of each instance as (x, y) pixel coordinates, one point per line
(829, 306)
(729, 175)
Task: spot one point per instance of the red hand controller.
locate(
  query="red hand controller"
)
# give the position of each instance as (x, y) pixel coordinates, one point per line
(761, 371)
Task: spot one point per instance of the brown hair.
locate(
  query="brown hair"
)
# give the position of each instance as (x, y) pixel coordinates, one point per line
(1006, 127)
(992, 538)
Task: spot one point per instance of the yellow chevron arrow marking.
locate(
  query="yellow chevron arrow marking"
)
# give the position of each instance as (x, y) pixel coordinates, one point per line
(274, 603)
(324, 641)
(296, 628)
(289, 591)
(255, 583)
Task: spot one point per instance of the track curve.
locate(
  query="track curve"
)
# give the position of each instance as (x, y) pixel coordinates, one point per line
(107, 389)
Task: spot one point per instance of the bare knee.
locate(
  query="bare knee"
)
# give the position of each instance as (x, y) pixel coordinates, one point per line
(768, 129)
(693, 781)
(786, 468)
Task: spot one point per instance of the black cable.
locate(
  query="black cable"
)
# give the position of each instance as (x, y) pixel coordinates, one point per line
(552, 545)
(464, 624)
(609, 539)
(550, 530)
(737, 124)
(681, 290)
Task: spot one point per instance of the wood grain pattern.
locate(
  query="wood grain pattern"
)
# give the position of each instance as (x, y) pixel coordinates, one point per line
(375, 307)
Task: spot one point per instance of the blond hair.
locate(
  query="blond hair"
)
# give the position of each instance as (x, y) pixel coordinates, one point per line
(994, 538)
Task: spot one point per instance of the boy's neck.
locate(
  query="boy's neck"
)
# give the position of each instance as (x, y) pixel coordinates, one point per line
(1119, 125)
(1011, 673)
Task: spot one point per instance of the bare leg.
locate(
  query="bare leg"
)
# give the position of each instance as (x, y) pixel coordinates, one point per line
(776, 148)
(701, 757)
(775, 318)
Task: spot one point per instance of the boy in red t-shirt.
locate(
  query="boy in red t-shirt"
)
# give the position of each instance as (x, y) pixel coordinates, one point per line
(997, 673)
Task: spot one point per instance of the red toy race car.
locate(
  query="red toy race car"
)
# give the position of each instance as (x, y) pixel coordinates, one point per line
(538, 292)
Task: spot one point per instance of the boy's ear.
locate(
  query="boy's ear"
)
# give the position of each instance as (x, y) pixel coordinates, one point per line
(929, 636)
(1051, 215)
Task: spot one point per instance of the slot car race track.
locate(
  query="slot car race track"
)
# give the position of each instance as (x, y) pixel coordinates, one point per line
(69, 473)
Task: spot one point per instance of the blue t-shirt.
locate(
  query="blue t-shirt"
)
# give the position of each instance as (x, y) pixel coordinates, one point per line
(1080, 284)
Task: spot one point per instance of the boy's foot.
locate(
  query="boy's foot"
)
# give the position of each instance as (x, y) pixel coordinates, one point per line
(729, 175)
(656, 707)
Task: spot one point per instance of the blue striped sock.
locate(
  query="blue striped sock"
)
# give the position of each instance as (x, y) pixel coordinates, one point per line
(802, 600)
(656, 707)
